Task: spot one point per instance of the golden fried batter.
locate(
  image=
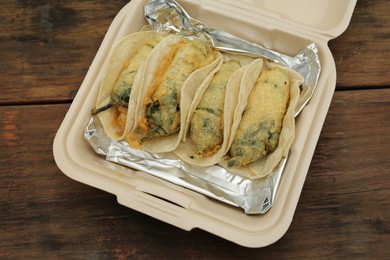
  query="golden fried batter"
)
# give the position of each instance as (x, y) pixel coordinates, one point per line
(206, 129)
(162, 115)
(258, 132)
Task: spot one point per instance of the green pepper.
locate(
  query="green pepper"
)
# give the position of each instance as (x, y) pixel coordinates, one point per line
(120, 95)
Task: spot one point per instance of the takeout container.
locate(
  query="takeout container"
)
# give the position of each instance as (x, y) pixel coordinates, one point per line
(284, 26)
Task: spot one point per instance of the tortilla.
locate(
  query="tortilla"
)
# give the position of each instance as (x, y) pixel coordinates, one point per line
(119, 88)
(263, 156)
(211, 114)
(173, 74)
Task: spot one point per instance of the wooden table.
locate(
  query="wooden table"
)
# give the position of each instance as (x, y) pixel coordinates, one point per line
(46, 48)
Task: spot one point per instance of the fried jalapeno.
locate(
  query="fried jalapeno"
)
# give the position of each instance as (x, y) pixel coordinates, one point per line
(207, 124)
(258, 132)
(162, 99)
(120, 78)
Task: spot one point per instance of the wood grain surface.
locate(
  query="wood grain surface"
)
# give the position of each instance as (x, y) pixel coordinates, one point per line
(361, 53)
(46, 48)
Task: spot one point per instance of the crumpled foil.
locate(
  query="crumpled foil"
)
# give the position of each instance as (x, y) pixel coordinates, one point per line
(254, 196)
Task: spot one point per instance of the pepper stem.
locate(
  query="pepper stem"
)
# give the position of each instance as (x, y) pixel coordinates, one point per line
(96, 111)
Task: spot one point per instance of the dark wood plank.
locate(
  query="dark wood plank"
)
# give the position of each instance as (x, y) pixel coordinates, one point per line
(362, 52)
(343, 210)
(46, 47)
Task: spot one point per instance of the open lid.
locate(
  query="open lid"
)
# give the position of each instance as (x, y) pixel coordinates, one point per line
(326, 17)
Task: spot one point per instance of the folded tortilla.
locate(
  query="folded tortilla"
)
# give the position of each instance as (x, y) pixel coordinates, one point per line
(173, 74)
(264, 127)
(115, 104)
(211, 114)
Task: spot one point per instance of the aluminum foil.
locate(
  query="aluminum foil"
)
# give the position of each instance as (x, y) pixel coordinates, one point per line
(253, 196)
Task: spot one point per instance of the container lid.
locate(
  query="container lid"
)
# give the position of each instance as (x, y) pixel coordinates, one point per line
(326, 17)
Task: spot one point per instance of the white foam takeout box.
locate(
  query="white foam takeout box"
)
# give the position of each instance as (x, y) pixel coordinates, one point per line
(286, 26)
